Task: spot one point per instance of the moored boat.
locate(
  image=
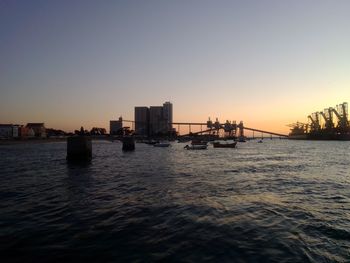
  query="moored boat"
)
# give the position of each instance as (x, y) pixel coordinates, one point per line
(162, 144)
(196, 147)
(224, 145)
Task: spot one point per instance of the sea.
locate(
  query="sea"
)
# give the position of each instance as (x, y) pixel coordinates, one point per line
(276, 201)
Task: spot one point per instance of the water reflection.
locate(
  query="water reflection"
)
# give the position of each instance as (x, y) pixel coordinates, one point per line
(276, 201)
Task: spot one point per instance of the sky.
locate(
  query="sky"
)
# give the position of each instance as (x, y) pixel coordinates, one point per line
(82, 63)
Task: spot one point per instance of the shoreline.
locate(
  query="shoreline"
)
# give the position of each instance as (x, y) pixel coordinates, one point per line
(31, 141)
(42, 140)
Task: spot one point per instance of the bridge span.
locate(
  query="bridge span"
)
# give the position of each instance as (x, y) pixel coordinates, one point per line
(231, 128)
(265, 132)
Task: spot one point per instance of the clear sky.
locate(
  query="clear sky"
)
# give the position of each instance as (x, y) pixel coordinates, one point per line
(268, 63)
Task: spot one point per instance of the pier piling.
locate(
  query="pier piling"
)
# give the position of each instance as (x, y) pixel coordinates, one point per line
(128, 143)
(79, 148)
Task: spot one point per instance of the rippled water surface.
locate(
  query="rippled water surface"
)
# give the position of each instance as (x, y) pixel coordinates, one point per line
(277, 201)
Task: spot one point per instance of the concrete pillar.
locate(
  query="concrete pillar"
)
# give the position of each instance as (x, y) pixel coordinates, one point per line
(79, 148)
(128, 143)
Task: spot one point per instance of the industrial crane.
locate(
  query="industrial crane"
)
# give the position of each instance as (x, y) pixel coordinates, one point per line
(343, 123)
(315, 122)
(327, 116)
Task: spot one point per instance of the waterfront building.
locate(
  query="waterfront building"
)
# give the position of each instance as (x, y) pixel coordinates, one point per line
(5, 130)
(168, 115)
(28, 132)
(38, 128)
(15, 131)
(156, 120)
(141, 118)
(115, 126)
(9, 130)
(24, 132)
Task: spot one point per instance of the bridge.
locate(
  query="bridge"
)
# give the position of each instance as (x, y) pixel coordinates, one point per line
(230, 128)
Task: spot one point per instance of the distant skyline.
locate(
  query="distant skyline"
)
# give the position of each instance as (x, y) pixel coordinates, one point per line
(83, 63)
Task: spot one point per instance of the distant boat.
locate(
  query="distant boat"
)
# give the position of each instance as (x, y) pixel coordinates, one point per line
(224, 145)
(196, 147)
(260, 141)
(162, 144)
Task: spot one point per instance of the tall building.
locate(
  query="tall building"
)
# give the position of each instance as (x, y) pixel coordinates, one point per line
(142, 121)
(115, 126)
(156, 121)
(168, 115)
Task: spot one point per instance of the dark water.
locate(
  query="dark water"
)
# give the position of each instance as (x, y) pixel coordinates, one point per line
(279, 201)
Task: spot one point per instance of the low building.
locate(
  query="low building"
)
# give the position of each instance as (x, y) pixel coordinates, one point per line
(116, 126)
(38, 128)
(9, 131)
(6, 130)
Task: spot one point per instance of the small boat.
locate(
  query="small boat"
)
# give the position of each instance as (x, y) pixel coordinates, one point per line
(224, 145)
(196, 147)
(260, 141)
(162, 144)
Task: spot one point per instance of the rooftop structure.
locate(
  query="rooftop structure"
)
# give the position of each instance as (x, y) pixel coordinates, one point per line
(115, 126)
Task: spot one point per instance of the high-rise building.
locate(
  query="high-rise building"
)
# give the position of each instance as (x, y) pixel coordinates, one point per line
(115, 126)
(142, 120)
(168, 115)
(156, 121)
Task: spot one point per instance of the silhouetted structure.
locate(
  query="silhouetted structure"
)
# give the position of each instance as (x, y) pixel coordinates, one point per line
(154, 121)
(98, 131)
(79, 147)
(9, 131)
(141, 121)
(115, 126)
(157, 123)
(55, 133)
(168, 115)
(128, 143)
(38, 128)
(329, 124)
